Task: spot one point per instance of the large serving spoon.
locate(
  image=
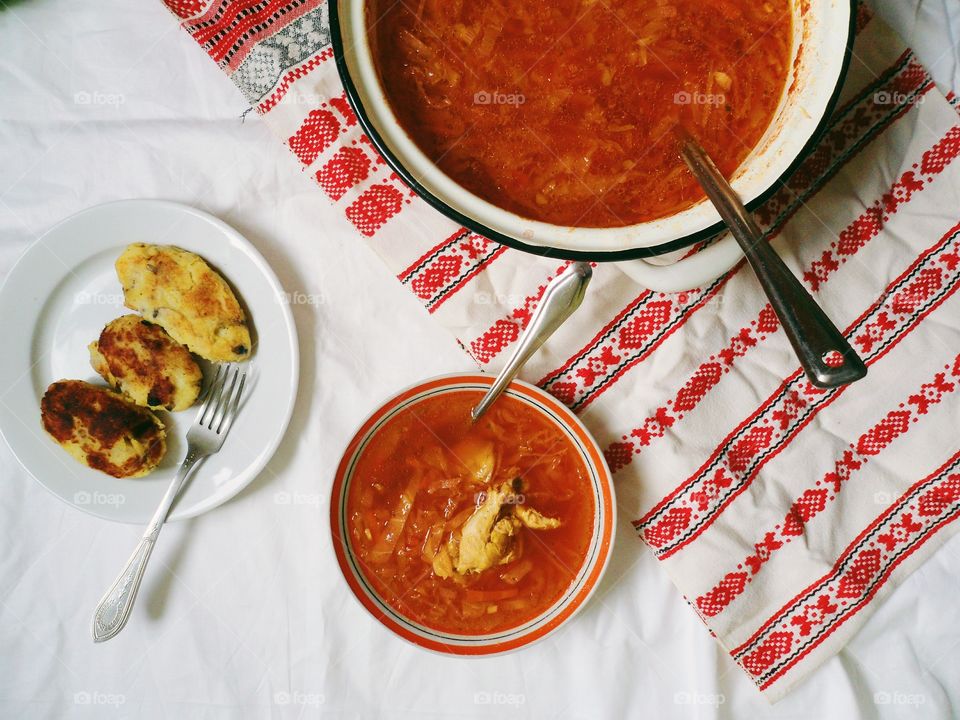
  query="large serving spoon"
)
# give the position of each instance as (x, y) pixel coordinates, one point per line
(824, 353)
(562, 296)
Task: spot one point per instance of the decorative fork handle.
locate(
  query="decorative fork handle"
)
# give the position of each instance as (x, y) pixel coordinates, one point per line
(114, 608)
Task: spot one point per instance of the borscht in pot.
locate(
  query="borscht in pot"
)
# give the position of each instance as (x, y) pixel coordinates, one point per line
(553, 127)
(563, 111)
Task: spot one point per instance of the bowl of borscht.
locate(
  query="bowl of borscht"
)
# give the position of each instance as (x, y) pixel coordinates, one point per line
(472, 538)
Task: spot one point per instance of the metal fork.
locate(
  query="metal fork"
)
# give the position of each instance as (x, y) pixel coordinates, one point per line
(205, 437)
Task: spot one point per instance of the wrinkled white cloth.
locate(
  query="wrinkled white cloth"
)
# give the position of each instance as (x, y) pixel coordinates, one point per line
(244, 612)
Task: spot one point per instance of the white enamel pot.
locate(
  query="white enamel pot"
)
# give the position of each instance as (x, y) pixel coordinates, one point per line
(823, 33)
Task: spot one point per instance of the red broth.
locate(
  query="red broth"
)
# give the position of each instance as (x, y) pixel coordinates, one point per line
(415, 485)
(564, 111)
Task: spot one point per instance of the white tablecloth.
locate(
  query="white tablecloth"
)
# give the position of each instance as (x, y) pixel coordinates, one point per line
(244, 612)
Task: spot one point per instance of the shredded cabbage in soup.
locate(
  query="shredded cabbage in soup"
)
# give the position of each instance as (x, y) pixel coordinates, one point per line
(470, 527)
(563, 110)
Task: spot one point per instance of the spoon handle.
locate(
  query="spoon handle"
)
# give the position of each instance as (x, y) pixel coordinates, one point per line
(824, 353)
(562, 296)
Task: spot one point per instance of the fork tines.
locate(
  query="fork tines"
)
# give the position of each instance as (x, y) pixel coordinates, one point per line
(222, 399)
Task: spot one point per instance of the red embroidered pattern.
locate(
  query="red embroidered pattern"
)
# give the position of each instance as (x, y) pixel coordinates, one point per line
(814, 499)
(819, 610)
(349, 167)
(703, 379)
(708, 374)
(508, 329)
(346, 169)
(319, 130)
(377, 205)
(688, 511)
(184, 9)
(609, 355)
(231, 28)
(291, 77)
(437, 275)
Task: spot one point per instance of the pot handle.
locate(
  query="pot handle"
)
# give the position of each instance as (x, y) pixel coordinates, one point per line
(691, 272)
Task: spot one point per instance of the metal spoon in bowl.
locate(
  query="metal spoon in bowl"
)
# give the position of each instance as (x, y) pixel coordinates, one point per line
(562, 296)
(824, 353)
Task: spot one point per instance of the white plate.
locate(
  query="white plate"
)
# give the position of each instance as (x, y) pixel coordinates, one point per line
(57, 299)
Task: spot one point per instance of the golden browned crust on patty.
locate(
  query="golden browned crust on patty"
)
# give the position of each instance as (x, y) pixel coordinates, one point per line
(143, 362)
(177, 290)
(102, 429)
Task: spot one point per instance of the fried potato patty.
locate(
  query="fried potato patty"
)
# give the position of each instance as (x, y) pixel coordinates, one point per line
(178, 290)
(102, 429)
(143, 362)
